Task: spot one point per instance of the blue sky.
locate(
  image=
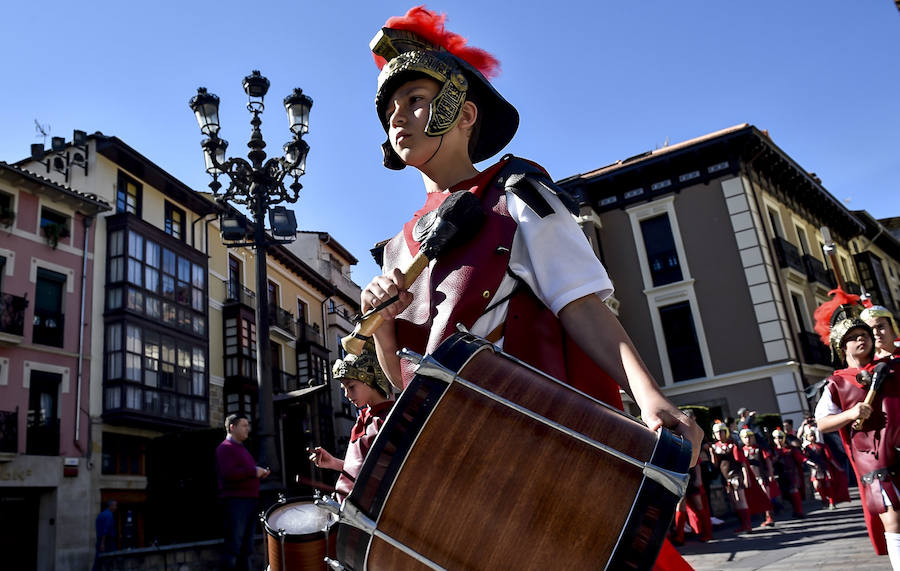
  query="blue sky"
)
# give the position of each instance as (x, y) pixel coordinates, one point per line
(594, 81)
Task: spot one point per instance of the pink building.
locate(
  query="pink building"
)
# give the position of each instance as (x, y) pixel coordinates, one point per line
(46, 244)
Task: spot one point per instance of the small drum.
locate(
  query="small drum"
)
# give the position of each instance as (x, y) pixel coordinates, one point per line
(488, 463)
(296, 536)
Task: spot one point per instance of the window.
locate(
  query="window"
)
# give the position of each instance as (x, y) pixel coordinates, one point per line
(682, 346)
(775, 221)
(240, 347)
(302, 311)
(128, 195)
(149, 279)
(54, 226)
(174, 221)
(662, 256)
(49, 320)
(800, 312)
(124, 454)
(152, 372)
(43, 415)
(273, 294)
(804, 244)
(825, 259)
(7, 212)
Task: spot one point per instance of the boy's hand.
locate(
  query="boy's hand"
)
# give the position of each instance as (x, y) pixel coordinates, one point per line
(383, 288)
(660, 412)
(322, 458)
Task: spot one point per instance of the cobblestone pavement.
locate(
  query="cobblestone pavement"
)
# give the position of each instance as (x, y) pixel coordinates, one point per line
(825, 539)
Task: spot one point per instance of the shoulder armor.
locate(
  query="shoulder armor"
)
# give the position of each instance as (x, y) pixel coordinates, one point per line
(525, 179)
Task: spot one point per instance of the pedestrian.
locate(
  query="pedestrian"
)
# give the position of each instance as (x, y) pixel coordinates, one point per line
(537, 273)
(105, 526)
(239, 478)
(364, 385)
(872, 447)
(761, 469)
(823, 471)
(788, 465)
(734, 472)
(884, 328)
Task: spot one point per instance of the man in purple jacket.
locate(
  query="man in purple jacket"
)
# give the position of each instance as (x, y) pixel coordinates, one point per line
(238, 491)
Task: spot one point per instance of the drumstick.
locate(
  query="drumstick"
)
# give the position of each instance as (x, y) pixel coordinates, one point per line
(457, 219)
(877, 378)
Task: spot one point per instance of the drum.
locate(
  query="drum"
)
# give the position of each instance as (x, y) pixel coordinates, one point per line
(295, 536)
(487, 463)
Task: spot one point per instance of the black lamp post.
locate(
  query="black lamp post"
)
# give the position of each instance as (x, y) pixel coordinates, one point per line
(258, 186)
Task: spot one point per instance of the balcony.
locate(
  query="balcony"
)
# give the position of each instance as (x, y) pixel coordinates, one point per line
(814, 351)
(237, 293)
(43, 437)
(284, 382)
(283, 320)
(12, 318)
(816, 272)
(49, 328)
(9, 434)
(788, 255)
(309, 333)
(340, 316)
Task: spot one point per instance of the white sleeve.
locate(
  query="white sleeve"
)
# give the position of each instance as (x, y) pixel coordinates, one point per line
(553, 256)
(826, 406)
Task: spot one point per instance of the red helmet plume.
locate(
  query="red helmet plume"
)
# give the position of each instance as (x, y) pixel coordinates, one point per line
(824, 313)
(430, 26)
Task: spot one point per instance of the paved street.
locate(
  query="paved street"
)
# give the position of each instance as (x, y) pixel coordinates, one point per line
(823, 540)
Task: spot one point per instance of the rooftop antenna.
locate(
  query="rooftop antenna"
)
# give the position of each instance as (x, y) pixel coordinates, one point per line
(42, 130)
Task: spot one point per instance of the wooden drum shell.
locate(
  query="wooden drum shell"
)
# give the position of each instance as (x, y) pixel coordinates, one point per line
(484, 486)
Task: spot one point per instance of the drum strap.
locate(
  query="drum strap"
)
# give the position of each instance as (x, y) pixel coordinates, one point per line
(497, 333)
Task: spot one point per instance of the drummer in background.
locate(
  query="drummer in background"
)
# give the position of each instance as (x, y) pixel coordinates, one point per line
(539, 288)
(884, 328)
(366, 386)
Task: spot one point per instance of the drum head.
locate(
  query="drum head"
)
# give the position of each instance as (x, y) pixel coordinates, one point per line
(298, 519)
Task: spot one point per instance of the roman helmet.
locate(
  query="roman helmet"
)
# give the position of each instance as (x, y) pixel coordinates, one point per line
(837, 317)
(778, 433)
(876, 311)
(364, 368)
(719, 426)
(746, 432)
(417, 45)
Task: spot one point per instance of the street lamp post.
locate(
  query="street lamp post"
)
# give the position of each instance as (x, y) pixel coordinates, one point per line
(258, 185)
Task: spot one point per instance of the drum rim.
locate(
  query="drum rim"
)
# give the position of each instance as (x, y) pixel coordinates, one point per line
(294, 537)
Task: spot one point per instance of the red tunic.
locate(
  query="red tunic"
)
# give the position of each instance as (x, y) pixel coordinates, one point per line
(791, 461)
(873, 447)
(368, 423)
(759, 466)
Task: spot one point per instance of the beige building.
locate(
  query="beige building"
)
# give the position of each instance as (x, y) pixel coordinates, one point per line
(715, 248)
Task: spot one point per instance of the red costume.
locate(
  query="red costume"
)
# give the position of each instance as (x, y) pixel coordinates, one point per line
(872, 450)
(789, 468)
(368, 423)
(832, 479)
(451, 291)
(760, 460)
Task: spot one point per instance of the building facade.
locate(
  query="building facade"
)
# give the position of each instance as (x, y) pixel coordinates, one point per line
(168, 348)
(47, 258)
(715, 249)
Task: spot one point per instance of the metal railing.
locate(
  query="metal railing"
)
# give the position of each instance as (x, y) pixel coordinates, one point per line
(814, 351)
(12, 314)
(788, 255)
(235, 292)
(49, 328)
(282, 319)
(284, 382)
(816, 271)
(9, 431)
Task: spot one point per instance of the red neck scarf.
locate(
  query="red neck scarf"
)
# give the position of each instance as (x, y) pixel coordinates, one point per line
(366, 416)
